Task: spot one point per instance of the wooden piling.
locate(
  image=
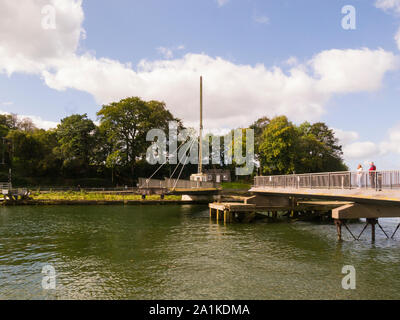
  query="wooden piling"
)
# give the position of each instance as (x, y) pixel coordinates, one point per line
(228, 209)
(338, 224)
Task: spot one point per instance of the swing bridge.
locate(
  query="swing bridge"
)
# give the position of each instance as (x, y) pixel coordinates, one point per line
(13, 194)
(197, 185)
(177, 186)
(349, 195)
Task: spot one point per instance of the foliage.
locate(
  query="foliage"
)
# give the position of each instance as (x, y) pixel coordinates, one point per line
(76, 141)
(125, 125)
(286, 148)
(79, 152)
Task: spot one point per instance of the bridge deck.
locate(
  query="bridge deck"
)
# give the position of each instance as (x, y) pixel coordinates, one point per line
(370, 196)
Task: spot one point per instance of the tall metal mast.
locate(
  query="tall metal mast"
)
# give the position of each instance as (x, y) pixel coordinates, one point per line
(201, 127)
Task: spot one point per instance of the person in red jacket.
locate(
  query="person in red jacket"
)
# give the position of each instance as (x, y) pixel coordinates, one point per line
(372, 174)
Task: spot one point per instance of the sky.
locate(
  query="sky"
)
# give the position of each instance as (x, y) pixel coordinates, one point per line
(297, 58)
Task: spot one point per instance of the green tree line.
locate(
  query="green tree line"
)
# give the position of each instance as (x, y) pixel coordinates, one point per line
(112, 152)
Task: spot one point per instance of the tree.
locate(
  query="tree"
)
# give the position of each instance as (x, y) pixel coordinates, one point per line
(48, 164)
(278, 147)
(126, 124)
(319, 149)
(259, 127)
(76, 138)
(286, 148)
(9, 121)
(26, 124)
(26, 152)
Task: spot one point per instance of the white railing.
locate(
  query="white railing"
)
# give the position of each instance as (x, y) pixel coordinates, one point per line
(5, 186)
(378, 180)
(171, 183)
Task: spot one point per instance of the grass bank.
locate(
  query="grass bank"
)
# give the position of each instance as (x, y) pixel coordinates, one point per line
(93, 196)
(235, 186)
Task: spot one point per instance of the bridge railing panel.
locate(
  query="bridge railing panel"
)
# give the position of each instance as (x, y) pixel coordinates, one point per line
(174, 183)
(5, 186)
(333, 180)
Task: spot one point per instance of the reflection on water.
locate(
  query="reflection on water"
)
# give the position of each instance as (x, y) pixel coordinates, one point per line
(176, 252)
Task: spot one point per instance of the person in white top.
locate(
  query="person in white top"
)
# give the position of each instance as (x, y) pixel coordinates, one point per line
(359, 175)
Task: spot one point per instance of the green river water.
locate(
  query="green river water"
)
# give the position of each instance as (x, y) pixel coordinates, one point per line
(176, 252)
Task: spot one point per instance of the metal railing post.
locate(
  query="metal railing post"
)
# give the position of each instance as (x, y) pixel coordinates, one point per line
(350, 180)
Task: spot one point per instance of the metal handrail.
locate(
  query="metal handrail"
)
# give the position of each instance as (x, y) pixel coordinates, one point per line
(5, 186)
(174, 183)
(377, 180)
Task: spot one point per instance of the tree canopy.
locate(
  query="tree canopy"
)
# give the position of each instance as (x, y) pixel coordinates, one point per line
(113, 151)
(285, 148)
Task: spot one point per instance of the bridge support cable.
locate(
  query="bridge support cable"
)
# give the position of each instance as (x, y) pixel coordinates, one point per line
(372, 222)
(158, 169)
(365, 227)
(345, 225)
(397, 228)
(177, 165)
(377, 222)
(187, 157)
(339, 223)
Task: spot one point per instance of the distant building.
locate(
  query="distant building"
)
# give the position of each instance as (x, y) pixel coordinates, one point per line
(199, 177)
(218, 175)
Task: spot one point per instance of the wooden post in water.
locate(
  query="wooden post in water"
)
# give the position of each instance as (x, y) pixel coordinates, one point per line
(338, 224)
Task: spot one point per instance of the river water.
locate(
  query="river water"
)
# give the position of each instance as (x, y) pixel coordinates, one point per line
(176, 252)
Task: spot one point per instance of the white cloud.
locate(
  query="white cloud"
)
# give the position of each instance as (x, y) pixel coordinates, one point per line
(7, 103)
(392, 144)
(352, 70)
(229, 88)
(37, 121)
(167, 53)
(292, 61)
(388, 5)
(40, 123)
(234, 94)
(25, 46)
(345, 137)
(360, 150)
(222, 2)
(397, 38)
(391, 6)
(261, 19)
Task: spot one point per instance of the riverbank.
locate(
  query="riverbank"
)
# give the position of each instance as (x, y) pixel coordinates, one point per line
(100, 198)
(89, 198)
(116, 198)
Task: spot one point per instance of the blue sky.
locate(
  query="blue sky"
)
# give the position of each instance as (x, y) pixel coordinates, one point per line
(92, 57)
